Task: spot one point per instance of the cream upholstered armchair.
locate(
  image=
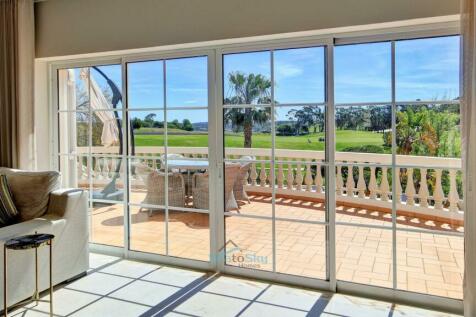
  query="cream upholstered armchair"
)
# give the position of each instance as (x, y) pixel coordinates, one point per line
(200, 188)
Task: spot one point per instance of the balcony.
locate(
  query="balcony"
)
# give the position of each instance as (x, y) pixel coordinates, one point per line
(429, 263)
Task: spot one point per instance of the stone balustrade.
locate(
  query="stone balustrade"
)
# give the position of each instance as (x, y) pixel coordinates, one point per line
(361, 178)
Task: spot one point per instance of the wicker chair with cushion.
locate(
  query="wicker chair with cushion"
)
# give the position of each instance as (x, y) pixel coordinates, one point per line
(238, 187)
(155, 185)
(200, 188)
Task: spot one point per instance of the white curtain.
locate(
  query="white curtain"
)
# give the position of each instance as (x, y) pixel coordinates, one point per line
(468, 122)
(97, 100)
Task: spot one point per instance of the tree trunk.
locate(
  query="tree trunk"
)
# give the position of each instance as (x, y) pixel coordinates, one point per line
(248, 132)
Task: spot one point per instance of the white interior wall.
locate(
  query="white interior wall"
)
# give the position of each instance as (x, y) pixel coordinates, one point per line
(65, 27)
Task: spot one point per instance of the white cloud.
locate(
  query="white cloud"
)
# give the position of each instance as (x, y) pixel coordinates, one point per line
(287, 70)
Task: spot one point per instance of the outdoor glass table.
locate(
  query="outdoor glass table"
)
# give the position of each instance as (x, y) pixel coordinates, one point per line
(187, 164)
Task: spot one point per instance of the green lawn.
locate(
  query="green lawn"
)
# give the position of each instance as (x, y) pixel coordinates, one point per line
(344, 139)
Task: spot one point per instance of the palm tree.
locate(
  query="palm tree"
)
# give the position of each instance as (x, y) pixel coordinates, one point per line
(246, 90)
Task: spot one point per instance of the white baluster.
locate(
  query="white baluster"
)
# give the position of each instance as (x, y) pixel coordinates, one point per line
(98, 170)
(349, 185)
(80, 170)
(438, 194)
(308, 178)
(262, 175)
(384, 187)
(398, 186)
(410, 190)
(253, 174)
(290, 177)
(423, 192)
(280, 175)
(105, 168)
(270, 176)
(318, 180)
(361, 183)
(453, 196)
(113, 167)
(339, 181)
(373, 188)
(299, 177)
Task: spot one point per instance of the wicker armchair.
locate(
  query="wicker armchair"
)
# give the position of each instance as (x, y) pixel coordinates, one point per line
(200, 188)
(238, 187)
(155, 185)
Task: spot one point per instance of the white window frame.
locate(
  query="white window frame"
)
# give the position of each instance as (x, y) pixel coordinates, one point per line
(215, 53)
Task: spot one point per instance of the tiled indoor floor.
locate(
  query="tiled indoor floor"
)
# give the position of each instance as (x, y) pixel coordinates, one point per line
(122, 288)
(427, 262)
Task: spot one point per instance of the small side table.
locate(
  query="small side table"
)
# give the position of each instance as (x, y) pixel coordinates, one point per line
(32, 241)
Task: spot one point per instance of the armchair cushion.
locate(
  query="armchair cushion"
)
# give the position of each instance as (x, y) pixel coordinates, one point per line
(31, 190)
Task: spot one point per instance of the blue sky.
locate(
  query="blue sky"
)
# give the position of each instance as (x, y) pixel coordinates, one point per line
(426, 69)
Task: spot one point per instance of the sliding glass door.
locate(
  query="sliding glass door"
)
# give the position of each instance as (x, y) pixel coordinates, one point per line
(317, 163)
(274, 114)
(168, 157)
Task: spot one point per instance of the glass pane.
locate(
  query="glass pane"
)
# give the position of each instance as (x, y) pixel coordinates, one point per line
(147, 183)
(364, 129)
(106, 87)
(248, 243)
(364, 198)
(107, 134)
(246, 128)
(247, 78)
(301, 249)
(107, 224)
(301, 128)
(147, 230)
(300, 191)
(430, 199)
(251, 186)
(148, 133)
(430, 263)
(73, 89)
(189, 235)
(429, 135)
(427, 69)
(145, 85)
(299, 75)
(107, 178)
(362, 73)
(364, 255)
(74, 171)
(187, 132)
(187, 82)
(73, 132)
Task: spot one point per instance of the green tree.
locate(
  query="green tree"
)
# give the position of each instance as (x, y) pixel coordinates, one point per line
(428, 131)
(136, 123)
(187, 125)
(149, 120)
(247, 89)
(307, 116)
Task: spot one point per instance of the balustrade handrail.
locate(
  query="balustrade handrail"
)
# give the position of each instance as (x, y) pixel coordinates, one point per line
(284, 154)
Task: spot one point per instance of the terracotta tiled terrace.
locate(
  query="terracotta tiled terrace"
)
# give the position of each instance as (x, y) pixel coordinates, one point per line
(427, 262)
